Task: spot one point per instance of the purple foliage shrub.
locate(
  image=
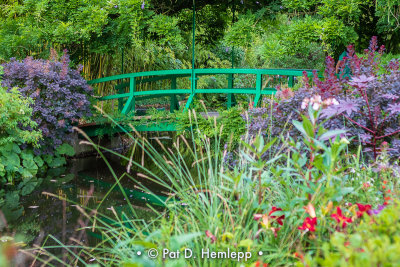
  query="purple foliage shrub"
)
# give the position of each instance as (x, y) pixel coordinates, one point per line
(369, 101)
(371, 110)
(60, 94)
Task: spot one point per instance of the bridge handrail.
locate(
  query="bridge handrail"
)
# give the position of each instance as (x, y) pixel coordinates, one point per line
(188, 72)
(173, 74)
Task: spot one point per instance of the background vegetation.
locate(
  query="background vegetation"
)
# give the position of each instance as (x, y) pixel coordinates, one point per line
(156, 34)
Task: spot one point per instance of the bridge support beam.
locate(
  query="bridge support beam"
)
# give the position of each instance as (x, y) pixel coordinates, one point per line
(130, 103)
(258, 89)
(174, 104)
(291, 81)
(231, 97)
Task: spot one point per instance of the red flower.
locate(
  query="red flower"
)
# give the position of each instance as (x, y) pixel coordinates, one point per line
(260, 264)
(340, 218)
(309, 224)
(275, 231)
(362, 209)
(211, 236)
(299, 256)
(276, 218)
(366, 185)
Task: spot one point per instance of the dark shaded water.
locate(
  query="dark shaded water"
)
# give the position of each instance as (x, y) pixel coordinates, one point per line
(51, 211)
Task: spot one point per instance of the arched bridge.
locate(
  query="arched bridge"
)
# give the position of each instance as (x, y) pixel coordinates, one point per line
(127, 86)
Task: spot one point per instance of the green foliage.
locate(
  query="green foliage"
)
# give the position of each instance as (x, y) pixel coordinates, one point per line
(165, 28)
(388, 12)
(347, 10)
(15, 118)
(229, 126)
(375, 242)
(18, 167)
(241, 32)
(333, 33)
(299, 5)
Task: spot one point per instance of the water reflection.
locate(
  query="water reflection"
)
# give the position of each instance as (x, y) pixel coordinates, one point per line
(53, 209)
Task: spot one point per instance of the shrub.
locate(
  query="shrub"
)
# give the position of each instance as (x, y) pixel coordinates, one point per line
(59, 93)
(18, 167)
(368, 100)
(15, 118)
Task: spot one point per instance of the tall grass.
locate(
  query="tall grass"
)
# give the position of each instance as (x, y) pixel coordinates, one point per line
(212, 204)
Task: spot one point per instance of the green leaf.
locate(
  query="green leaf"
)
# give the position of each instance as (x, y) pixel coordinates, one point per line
(2, 170)
(330, 134)
(27, 154)
(267, 146)
(39, 161)
(30, 165)
(299, 126)
(25, 173)
(57, 162)
(308, 127)
(246, 243)
(15, 148)
(11, 162)
(12, 199)
(29, 187)
(178, 241)
(66, 149)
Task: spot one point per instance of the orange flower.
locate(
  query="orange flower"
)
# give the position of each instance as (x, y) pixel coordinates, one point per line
(310, 210)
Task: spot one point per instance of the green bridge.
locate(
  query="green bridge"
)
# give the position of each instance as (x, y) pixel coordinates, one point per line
(127, 88)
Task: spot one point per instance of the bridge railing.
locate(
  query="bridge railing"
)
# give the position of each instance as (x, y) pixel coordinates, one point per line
(261, 88)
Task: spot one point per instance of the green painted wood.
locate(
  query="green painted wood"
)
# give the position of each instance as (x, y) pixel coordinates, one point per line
(130, 104)
(163, 92)
(189, 101)
(110, 97)
(187, 72)
(258, 89)
(270, 91)
(291, 81)
(108, 129)
(226, 91)
(273, 76)
(231, 98)
(174, 104)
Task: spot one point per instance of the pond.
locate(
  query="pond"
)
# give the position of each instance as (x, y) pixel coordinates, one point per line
(52, 211)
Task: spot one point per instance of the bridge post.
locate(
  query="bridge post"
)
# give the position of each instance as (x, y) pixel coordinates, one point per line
(193, 86)
(120, 100)
(291, 81)
(231, 97)
(258, 89)
(174, 105)
(130, 103)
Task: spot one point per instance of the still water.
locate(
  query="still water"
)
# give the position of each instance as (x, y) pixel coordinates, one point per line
(52, 214)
